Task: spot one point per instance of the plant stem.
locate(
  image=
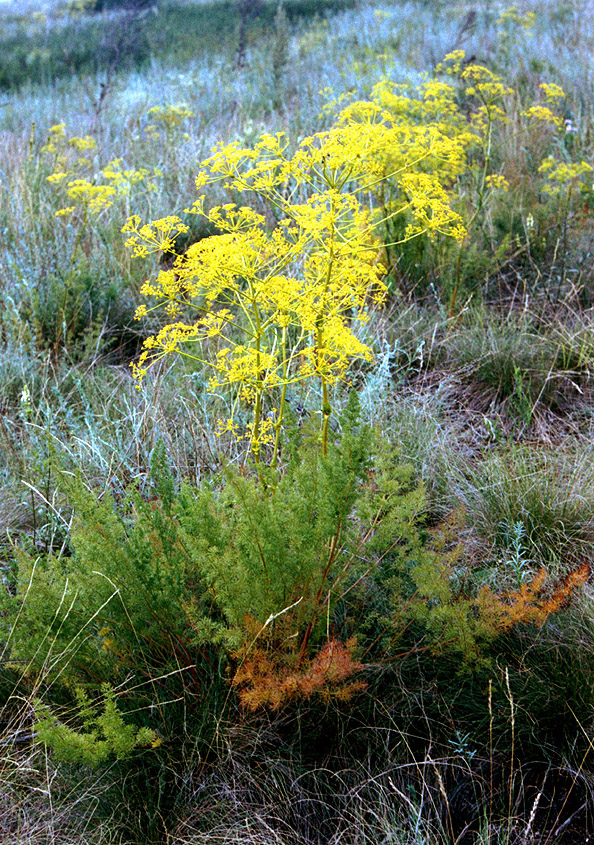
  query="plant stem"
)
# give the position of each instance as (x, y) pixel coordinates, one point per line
(281, 410)
(255, 440)
(326, 412)
(326, 407)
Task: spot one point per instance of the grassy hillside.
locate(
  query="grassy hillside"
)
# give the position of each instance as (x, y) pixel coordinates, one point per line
(43, 46)
(326, 578)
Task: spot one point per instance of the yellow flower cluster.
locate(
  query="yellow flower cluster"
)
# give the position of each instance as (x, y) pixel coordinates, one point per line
(281, 287)
(553, 92)
(512, 16)
(544, 114)
(167, 118)
(158, 236)
(94, 197)
(497, 182)
(63, 150)
(281, 299)
(124, 179)
(487, 103)
(563, 175)
(73, 174)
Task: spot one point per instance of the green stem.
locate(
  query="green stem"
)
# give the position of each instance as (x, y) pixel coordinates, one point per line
(68, 280)
(256, 429)
(318, 603)
(454, 295)
(326, 412)
(326, 407)
(487, 146)
(281, 410)
(563, 273)
(255, 442)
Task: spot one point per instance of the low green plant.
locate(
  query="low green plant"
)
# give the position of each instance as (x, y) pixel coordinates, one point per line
(286, 584)
(165, 585)
(574, 338)
(516, 562)
(105, 734)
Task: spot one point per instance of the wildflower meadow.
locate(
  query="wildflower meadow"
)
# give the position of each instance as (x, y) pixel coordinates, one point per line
(296, 417)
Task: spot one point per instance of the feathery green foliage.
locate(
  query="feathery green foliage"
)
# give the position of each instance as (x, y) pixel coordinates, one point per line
(104, 734)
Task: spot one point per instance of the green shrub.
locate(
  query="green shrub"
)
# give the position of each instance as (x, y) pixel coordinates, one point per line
(157, 584)
(285, 584)
(91, 43)
(105, 733)
(103, 5)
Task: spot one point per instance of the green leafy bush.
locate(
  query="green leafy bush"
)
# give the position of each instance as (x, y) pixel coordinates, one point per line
(174, 581)
(105, 733)
(288, 585)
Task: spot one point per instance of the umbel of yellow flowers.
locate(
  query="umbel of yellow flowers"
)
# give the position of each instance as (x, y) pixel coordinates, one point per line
(276, 295)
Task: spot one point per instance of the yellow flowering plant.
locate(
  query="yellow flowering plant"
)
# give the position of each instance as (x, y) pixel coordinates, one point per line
(288, 279)
(279, 291)
(167, 118)
(85, 191)
(73, 163)
(473, 106)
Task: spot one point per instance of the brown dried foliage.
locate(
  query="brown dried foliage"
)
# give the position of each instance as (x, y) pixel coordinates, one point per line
(265, 679)
(532, 602)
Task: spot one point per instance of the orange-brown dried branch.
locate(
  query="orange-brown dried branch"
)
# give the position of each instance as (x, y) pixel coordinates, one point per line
(531, 603)
(262, 680)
